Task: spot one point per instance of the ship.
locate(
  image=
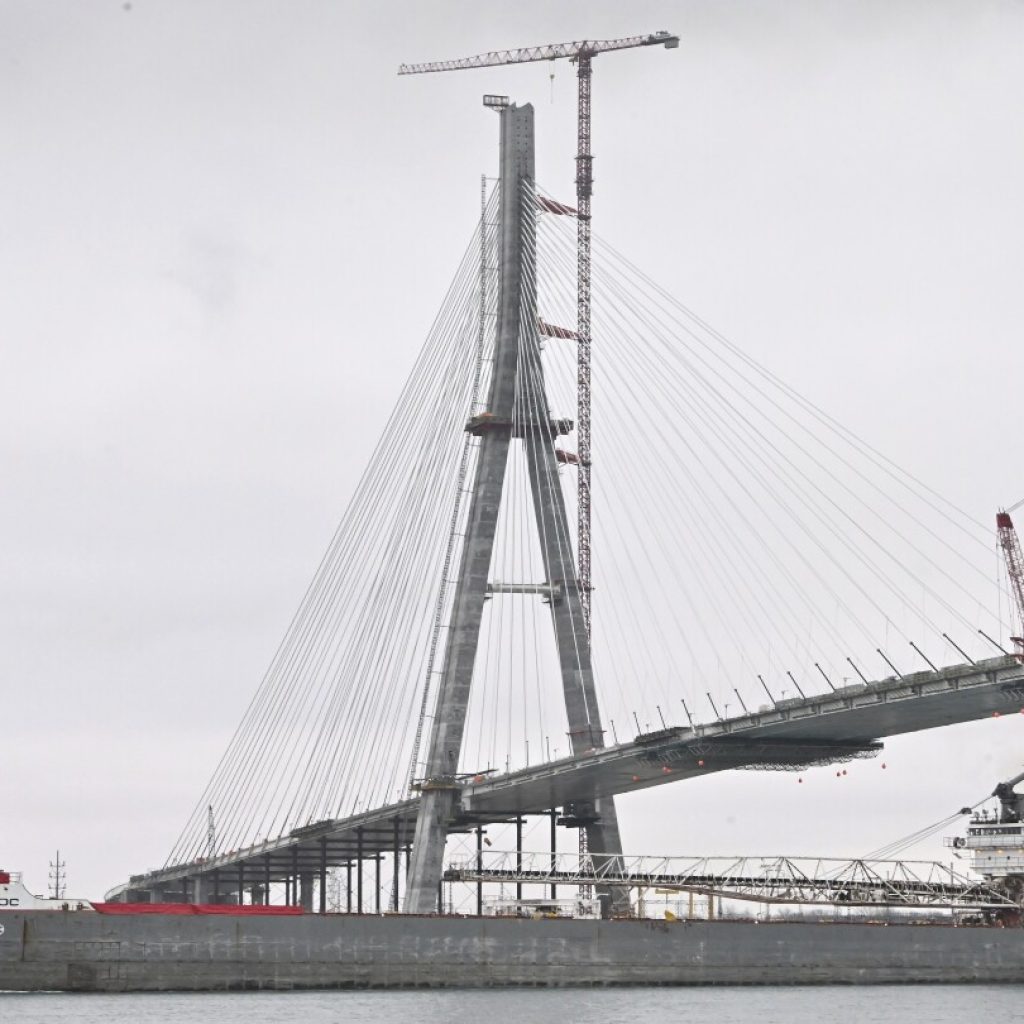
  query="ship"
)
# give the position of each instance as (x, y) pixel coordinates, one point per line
(82, 946)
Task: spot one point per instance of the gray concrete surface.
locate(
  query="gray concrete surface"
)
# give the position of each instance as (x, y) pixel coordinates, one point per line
(86, 951)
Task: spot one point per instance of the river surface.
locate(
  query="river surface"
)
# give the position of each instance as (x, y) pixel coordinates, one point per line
(879, 1004)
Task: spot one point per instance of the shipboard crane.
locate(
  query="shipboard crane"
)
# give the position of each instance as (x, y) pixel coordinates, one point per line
(1010, 544)
(581, 54)
(1011, 803)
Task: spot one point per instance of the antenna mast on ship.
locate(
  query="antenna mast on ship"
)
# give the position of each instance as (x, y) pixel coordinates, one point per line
(58, 878)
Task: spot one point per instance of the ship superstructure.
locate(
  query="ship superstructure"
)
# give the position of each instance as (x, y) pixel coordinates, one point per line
(995, 838)
(14, 895)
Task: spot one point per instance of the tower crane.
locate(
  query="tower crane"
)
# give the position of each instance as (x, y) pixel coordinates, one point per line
(1010, 544)
(581, 54)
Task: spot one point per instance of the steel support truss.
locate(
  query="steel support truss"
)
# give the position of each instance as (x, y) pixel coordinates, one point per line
(792, 880)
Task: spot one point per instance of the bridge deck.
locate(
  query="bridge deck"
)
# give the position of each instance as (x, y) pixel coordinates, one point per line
(794, 733)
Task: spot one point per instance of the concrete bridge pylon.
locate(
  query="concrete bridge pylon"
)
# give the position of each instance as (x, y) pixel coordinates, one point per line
(516, 368)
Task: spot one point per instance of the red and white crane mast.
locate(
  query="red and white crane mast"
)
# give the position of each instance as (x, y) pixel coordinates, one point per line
(581, 53)
(1010, 544)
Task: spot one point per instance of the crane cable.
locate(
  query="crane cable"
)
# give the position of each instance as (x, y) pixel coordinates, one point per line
(897, 846)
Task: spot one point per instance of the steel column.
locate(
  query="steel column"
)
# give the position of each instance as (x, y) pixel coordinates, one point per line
(554, 848)
(376, 895)
(396, 856)
(359, 870)
(323, 876)
(479, 867)
(519, 854)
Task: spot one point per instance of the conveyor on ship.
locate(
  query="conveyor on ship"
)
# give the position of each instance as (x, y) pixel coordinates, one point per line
(786, 880)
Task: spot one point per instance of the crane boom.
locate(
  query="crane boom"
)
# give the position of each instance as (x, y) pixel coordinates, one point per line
(553, 51)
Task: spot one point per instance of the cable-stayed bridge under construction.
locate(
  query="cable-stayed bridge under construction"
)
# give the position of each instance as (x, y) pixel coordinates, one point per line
(448, 669)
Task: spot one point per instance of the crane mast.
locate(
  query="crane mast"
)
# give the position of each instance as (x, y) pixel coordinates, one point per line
(584, 189)
(581, 53)
(1010, 544)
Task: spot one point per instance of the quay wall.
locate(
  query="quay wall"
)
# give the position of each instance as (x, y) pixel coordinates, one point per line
(86, 951)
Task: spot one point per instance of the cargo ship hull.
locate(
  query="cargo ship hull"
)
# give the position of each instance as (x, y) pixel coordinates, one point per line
(44, 950)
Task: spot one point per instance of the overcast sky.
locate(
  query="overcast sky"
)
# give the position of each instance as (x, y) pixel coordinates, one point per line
(226, 227)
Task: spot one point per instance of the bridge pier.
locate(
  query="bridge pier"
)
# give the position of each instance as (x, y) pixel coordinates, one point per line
(295, 876)
(306, 891)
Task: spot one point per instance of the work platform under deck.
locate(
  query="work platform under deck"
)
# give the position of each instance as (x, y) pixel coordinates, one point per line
(837, 726)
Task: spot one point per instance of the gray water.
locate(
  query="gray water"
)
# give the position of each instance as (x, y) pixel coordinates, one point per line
(881, 1004)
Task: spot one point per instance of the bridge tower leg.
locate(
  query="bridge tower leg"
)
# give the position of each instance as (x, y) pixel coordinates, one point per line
(516, 353)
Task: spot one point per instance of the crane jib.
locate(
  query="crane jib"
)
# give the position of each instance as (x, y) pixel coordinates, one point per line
(554, 51)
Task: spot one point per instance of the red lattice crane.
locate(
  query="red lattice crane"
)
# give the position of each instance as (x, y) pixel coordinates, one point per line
(1010, 544)
(580, 53)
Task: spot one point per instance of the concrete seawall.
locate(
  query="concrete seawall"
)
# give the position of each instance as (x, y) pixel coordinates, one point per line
(94, 952)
